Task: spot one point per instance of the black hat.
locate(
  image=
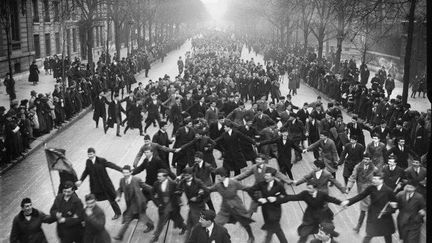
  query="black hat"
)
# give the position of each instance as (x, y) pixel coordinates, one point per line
(164, 171)
(319, 163)
(199, 154)
(208, 215)
(329, 229)
(188, 170)
(221, 171)
(90, 197)
(127, 167)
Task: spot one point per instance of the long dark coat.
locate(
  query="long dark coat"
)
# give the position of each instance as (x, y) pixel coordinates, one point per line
(284, 151)
(374, 226)
(24, 231)
(34, 73)
(233, 154)
(94, 231)
(99, 108)
(185, 156)
(218, 235)
(100, 183)
(271, 211)
(316, 212)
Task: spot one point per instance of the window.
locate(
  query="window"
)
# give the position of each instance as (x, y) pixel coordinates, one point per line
(74, 43)
(56, 11)
(35, 11)
(97, 36)
(68, 37)
(47, 45)
(37, 46)
(46, 11)
(101, 36)
(15, 27)
(57, 42)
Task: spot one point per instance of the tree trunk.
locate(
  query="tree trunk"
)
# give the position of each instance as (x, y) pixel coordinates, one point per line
(320, 40)
(150, 32)
(340, 37)
(90, 43)
(408, 48)
(9, 45)
(305, 41)
(117, 36)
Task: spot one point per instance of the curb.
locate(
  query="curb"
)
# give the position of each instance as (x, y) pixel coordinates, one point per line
(39, 142)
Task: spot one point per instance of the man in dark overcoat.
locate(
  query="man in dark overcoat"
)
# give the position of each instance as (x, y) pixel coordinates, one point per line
(184, 135)
(317, 210)
(196, 194)
(99, 109)
(284, 146)
(207, 231)
(412, 209)
(100, 183)
(270, 190)
(379, 216)
(230, 140)
(114, 114)
(94, 218)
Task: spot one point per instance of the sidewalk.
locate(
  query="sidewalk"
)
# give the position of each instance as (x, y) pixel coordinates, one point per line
(45, 84)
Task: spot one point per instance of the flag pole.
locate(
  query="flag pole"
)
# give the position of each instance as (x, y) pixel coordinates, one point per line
(50, 176)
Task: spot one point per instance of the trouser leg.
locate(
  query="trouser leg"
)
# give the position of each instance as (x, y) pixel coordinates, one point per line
(210, 204)
(268, 237)
(126, 221)
(163, 219)
(115, 207)
(281, 236)
(388, 239)
(367, 239)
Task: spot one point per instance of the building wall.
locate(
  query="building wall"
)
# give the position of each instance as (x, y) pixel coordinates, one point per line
(22, 51)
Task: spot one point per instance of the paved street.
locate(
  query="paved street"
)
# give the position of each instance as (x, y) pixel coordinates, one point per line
(31, 178)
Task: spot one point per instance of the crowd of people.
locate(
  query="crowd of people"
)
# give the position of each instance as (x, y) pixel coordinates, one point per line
(206, 106)
(27, 119)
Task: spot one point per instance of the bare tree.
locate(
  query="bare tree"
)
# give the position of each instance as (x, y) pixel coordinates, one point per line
(320, 22)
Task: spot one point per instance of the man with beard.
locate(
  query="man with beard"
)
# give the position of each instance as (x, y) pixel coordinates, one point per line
(100, 183)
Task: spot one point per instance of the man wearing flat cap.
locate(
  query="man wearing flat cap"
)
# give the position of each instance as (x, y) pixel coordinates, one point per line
(207, 231)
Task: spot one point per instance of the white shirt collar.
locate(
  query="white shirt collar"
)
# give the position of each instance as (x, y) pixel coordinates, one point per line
(210, 229)
(379, 187)
(226, 182)
(318, 174)
(270, 184)
(200, 164)
(230, 132)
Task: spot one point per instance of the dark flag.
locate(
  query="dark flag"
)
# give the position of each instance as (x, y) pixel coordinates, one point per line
(57, 161)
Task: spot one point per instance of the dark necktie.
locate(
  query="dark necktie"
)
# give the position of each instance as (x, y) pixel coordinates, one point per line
(208, 232)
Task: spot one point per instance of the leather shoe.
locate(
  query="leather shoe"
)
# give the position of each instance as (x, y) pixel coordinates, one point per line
(118, 135)
(118, 238)
(149, 228)
(115, 217)
(356, 229)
